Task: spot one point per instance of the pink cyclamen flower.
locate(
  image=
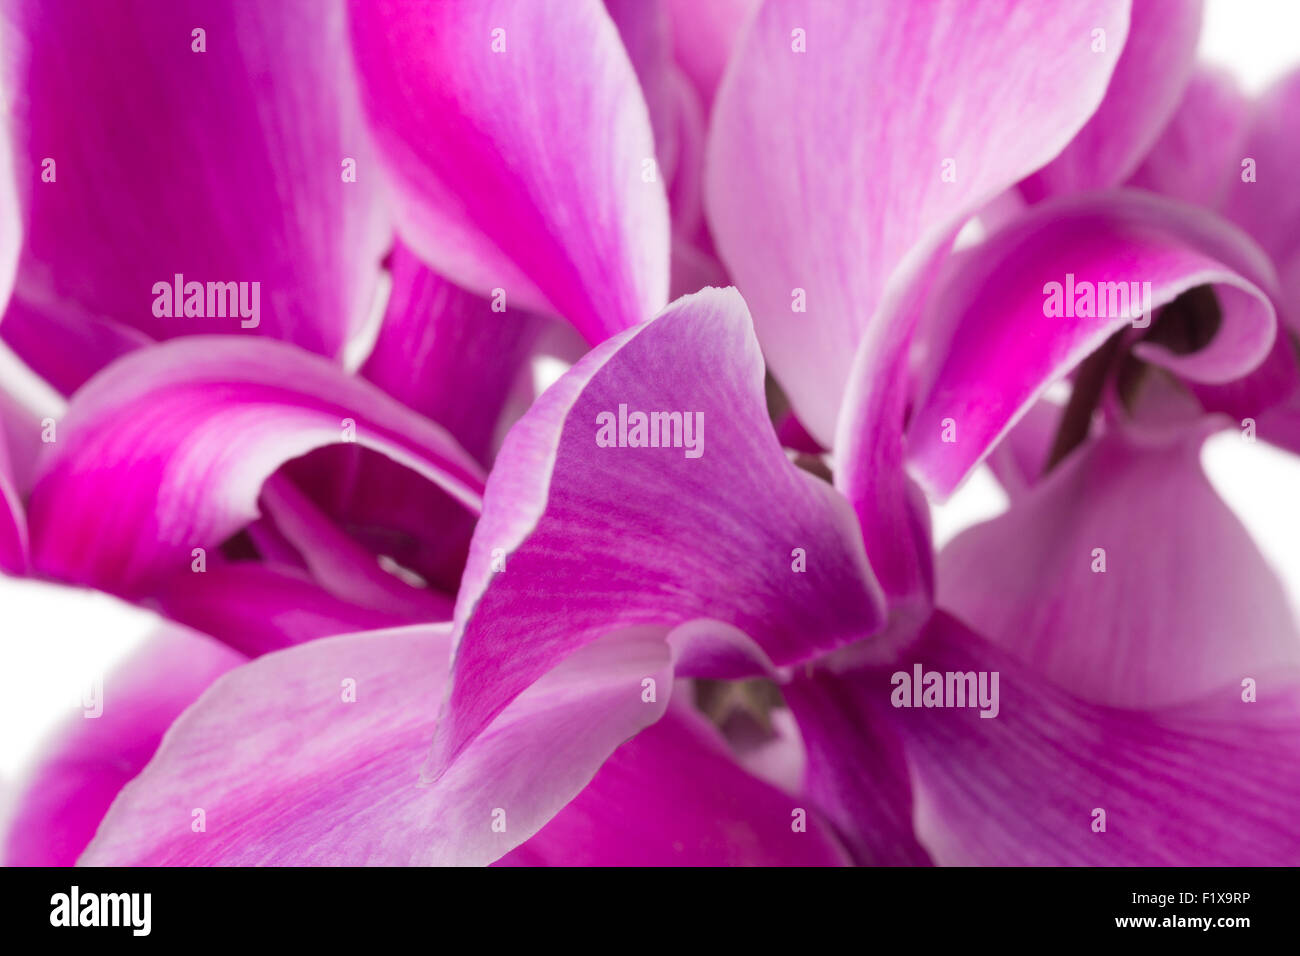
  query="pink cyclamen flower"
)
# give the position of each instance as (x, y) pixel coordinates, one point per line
(1126, 658)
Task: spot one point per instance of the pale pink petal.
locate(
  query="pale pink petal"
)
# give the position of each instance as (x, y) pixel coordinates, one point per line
(1124, 578)
(1199, 154)
(349, 792)
(1153, 71)
(823, 172)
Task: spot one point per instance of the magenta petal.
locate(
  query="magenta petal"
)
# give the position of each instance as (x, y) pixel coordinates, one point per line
(856, 771)
(1211, 783)
(92, 758)
(1149, 80)
(1005, 349)
(181, 437)
(446, 353)
(256, 608)
(13, 519)
(520, 170)
(63, 344)
(349, 792)
(674, 796)
(225, 165)
(342, 564)
(594, 539)
(814, 211)
(1185, 602)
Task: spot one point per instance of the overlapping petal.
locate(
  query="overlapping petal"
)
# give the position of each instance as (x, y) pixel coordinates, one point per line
(446, 353)
(1199, 154)
(180, 439)
(1212, 782)
(521, 152)
(814, 212)
(1008, 342)
(577, 539)
(350, 793)
(674, 796)
(1123, 578)
(145, 150)
(1144, 92)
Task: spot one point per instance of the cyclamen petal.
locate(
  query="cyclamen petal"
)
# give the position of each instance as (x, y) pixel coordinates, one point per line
(673, 796)
(350, 794)
(182, 436)
(1199, 154)
(812, 233)
(1213, 782)
(13, 518)
(140, 156)
(1264, 195)
(521, 153)
(1144, 92)
(577, 540)
(84, 767)
(1009, 341)
(1075, 578)
(450, 354)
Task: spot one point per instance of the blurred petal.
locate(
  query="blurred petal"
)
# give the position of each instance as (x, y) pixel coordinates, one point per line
(1199, 154)
(13, 519)
(1214, 782)
(222, 166)
(818, 188)
(1186, 602)
(594, 539)
(1153, 71)
(1267, 203)
(446, 353)
(674, 796)
(91, 759)
(182, 436)
(1006, 348)
(519, 169)
(856, 772)
(256, 608)
(704, 37)
(65, 345)
(341, 564)
(1018, 460)
(349, 792)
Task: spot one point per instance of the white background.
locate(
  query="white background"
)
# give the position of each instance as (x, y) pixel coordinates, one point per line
(54, 640)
